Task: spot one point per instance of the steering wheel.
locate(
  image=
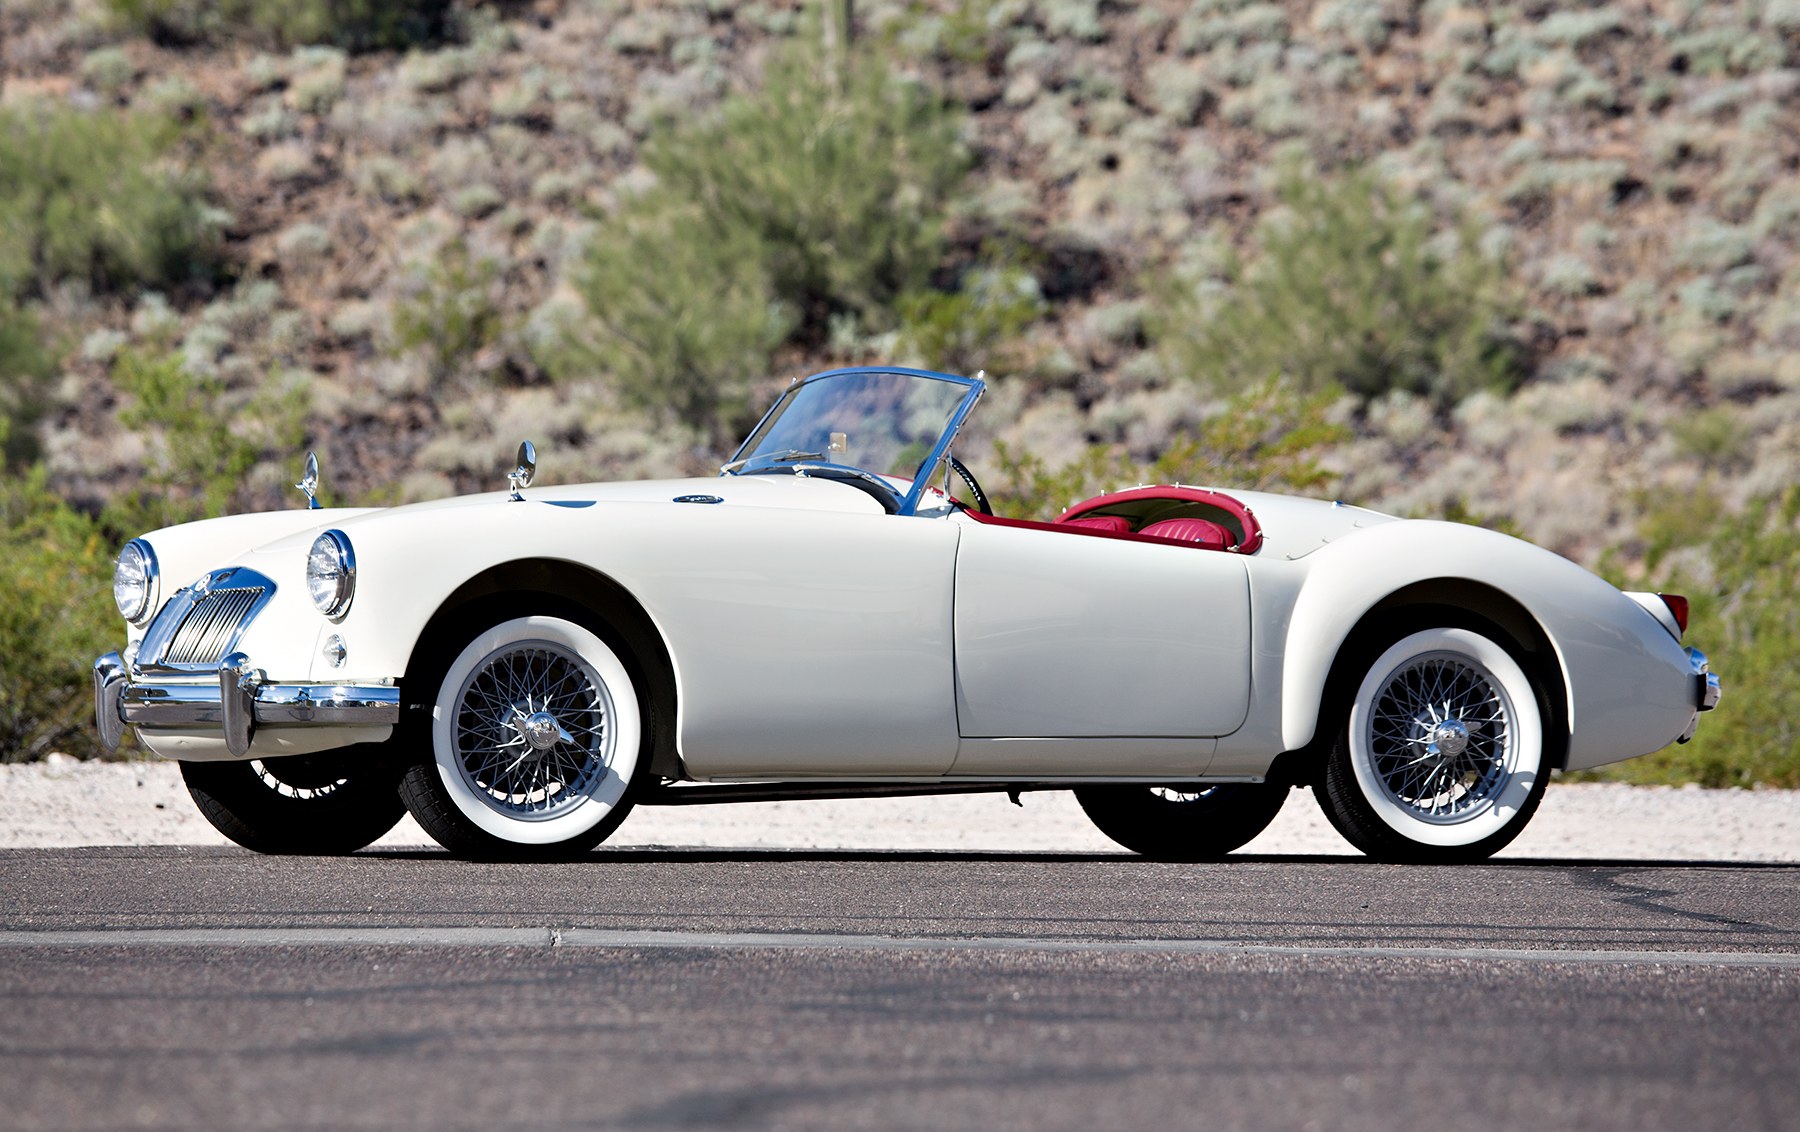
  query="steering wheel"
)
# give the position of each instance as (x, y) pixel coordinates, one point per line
(981, 500)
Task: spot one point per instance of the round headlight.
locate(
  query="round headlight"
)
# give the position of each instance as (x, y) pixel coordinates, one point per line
(134, 580)
(331, 573)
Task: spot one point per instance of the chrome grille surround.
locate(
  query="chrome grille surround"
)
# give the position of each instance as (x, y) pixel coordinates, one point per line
(201, 623)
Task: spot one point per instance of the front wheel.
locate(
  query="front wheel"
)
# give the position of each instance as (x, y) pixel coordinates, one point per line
(324, 804)
(1441, 758)
(1170, 823)
(536, 738)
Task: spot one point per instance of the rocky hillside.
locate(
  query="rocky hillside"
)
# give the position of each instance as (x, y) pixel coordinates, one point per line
(1633, 164)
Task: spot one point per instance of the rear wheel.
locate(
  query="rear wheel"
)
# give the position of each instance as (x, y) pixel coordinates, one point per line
(330, 803)
(1441, 756)
(1174, 824)
(537, 736)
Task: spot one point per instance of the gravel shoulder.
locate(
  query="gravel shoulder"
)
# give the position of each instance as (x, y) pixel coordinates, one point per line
(64, 803)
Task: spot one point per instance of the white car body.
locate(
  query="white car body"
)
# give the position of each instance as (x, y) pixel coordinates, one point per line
(810, 635)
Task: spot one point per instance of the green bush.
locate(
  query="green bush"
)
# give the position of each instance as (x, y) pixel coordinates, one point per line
(94, 197)
(456, 315)
(25, 361)
(1268, 437)
(814, 198)
(202, 448)
(1742, 575)
(970, 328)
(1351, 286)
(56, 572)
(355, 25)
(683, 320)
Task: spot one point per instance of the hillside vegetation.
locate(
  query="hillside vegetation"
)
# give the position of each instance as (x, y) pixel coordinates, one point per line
(1531, 265)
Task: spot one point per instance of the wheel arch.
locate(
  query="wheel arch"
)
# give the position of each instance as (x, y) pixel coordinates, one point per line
(555, 585)
(1324, 693)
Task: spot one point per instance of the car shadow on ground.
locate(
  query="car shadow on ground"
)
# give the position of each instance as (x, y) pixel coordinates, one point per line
(709, 855)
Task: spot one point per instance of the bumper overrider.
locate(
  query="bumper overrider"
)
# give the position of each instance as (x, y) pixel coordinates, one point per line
(237, 703)
(1706, 690)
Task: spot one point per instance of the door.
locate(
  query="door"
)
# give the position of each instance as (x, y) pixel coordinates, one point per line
(1066, 635)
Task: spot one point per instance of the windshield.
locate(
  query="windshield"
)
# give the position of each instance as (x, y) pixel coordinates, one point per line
(893, 423)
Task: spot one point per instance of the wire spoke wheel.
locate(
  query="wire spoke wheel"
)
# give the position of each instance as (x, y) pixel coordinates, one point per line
(1440, 737)
(1441, 756)
(532, 732)
(536, 732)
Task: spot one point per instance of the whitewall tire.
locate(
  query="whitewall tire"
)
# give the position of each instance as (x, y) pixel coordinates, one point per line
(1441, 757)
(537, 734)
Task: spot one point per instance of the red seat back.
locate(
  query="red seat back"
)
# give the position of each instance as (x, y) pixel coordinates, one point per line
(1117, 523)
(1203, 531)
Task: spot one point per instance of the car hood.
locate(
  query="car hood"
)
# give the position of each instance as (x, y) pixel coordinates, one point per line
(783, 491)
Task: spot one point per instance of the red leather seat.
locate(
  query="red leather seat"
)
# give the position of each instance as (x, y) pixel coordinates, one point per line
(1116, 523)
(1203, 531)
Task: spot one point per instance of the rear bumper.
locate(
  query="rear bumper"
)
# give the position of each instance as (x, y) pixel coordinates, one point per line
(241, 700)
(1707, 690)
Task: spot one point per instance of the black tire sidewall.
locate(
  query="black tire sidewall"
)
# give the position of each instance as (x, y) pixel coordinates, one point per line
(1227, 817)
(240, 805)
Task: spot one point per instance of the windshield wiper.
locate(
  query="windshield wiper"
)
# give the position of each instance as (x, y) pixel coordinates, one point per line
(772, 457)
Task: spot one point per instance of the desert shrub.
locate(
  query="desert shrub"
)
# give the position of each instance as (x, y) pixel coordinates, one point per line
(455, 315)
(94, 197)
(972, 327)
(56, 572)
(1267, 437)
(1740, 573)
(841, 186)
(356, 25)
(1351, 285)
(682, 319)
(203, 445)
(817, 197)
(26, 360)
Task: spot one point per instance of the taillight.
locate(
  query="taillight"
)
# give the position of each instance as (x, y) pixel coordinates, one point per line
(1678, 608)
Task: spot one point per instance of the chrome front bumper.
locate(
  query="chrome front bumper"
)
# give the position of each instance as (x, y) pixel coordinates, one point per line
(240, 701)
(1706, 690)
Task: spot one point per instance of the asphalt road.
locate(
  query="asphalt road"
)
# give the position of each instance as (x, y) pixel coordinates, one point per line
(172, 988)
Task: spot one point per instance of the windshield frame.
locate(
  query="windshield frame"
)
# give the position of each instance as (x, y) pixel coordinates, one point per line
(972, 387)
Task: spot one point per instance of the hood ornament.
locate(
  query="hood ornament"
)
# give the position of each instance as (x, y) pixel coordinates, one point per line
(309, 481)
(520, 477)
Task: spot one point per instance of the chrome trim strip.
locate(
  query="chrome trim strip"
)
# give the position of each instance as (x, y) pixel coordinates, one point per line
(185, 705)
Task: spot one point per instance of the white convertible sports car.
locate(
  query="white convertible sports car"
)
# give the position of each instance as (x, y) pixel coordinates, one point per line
(825, 619)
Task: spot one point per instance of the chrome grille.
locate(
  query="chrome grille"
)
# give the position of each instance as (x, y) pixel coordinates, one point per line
(196, 628)
(209, 627)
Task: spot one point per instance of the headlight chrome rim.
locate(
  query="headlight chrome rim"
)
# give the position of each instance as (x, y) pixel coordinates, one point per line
(331, 573)
(136, 578)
